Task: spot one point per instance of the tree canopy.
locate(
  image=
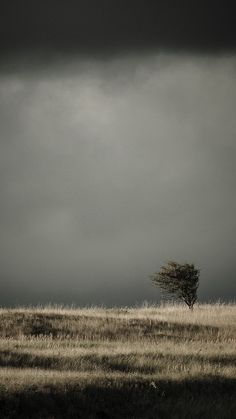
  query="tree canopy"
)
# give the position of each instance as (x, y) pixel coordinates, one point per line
(179, 281)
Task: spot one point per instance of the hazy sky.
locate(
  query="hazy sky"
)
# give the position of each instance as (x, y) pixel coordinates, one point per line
(115, 159)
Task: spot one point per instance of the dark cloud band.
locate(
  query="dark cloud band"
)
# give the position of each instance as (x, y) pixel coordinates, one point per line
(107, 26)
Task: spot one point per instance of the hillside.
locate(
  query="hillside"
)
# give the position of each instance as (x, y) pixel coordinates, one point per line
(151, 362)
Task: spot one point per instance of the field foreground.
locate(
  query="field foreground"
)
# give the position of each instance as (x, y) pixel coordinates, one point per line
(151, 362)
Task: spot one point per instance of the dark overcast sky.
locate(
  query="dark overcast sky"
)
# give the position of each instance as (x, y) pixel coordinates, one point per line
(117, 148)
(113, 26)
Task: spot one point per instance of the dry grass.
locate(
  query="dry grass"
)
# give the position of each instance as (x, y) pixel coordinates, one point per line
(148, 362)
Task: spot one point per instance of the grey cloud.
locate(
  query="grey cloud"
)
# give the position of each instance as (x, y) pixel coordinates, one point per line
(108, 169)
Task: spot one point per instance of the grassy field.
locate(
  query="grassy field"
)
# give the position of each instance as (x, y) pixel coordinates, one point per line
(150, 362)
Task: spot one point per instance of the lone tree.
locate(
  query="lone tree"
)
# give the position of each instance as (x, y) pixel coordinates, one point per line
(179, 281)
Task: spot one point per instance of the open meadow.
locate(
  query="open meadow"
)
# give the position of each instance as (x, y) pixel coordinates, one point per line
(151, 362)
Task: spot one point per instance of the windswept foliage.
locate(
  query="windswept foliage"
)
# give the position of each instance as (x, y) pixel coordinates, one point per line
(179, 281)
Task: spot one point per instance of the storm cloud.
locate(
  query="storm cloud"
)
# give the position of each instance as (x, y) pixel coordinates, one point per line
(109, 168)
(110, 27)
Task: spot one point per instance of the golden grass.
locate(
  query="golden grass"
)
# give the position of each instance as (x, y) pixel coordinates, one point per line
(163, 355)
